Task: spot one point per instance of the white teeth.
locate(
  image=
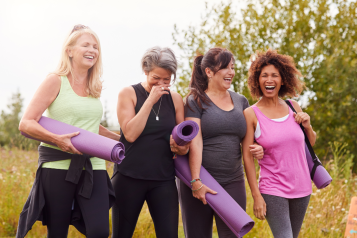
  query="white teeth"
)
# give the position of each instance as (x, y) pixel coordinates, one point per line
(89, 57)
(270, 87)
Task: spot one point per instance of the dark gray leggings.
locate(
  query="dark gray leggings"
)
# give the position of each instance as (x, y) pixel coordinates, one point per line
(285, 216)
(197, 218)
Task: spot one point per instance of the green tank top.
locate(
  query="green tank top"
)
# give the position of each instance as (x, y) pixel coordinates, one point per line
(82, 112)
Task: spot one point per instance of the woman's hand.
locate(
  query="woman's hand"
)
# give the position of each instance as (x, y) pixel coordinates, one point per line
(302, 118)
(180, 150)
(257, 151)
(201, 191)
(260, 208)
(65, 144)
(156, 92)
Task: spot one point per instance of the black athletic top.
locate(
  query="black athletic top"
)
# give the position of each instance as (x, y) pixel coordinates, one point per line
(149, 157)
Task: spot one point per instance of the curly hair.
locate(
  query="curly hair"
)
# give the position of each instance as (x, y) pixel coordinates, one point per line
(290, 75)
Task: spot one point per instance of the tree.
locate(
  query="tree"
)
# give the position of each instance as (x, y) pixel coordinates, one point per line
(9, 123)
(320, 35)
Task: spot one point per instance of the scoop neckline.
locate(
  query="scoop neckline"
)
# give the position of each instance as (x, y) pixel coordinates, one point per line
(234, 106)
(274, 118)
(73, 90)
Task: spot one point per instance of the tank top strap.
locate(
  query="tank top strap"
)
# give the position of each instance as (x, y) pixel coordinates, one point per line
(260, 116)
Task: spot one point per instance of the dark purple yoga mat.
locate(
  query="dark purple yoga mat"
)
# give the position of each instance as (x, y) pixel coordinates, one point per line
(222, 203)
(321, 178)
(86, 142)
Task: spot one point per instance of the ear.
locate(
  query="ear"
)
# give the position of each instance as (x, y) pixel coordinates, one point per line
(69, 52)
(209, 72)
(146, 73)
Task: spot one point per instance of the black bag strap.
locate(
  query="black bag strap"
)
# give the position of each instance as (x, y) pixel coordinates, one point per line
(311, 150)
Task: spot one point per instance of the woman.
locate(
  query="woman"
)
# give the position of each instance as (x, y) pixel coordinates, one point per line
(71, 95)
(219, 114)
(284, 182)
(147, 113)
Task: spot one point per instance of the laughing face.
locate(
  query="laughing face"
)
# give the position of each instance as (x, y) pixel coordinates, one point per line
(85, 52)
(270, 81)
(223, 78)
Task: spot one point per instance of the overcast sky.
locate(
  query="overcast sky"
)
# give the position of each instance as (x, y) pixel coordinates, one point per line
(32, 33)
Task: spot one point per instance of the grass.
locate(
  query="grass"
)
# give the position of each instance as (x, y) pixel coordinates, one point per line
(326, 215)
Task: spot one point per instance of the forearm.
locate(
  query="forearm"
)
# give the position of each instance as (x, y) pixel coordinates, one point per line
(107, 133)
(136, 125)
(311, 134)
(195, 161)
(251, 176)
(32, 128)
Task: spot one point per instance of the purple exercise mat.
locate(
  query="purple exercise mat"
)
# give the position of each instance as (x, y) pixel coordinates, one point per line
(86, 142)
(321, 178)
(185, 132)
(222, 203)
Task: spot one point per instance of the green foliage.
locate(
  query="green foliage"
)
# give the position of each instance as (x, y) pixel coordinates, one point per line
(342, 160)
(9, 122)
(320, 35)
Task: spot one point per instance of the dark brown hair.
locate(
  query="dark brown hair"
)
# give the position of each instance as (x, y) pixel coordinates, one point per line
(215, 59)
(290, 75)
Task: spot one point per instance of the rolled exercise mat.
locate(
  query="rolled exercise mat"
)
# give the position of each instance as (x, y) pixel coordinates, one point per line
(321, 177)
(222, 203)
(185, 132)
(86, 142)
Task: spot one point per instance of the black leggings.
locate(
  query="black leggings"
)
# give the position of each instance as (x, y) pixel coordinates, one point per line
(197, 218)
(162, 200)
(60, 195)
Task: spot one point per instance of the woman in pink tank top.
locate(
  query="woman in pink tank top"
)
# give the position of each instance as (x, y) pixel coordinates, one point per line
(285, 186)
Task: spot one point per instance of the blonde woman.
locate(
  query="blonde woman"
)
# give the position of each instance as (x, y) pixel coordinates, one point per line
(59, 196)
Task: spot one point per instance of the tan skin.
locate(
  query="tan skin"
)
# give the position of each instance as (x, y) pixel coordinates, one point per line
(272, 107)
(218, 85)
(133, 124)
(84, 55)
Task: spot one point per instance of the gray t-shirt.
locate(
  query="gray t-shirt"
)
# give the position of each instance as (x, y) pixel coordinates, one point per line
(222, 133)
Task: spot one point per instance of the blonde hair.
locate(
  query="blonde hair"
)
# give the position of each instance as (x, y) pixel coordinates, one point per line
(94, 84)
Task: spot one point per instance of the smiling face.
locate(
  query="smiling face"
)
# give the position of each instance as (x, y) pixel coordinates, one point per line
(223, 78)
(158, 76)
(270, 81)
(84, 53)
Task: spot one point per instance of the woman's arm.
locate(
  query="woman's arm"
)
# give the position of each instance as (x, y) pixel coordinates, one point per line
(133, 125)
(259, 203)
(304, 118)
(195, 162)
(179, 109)
(42, 99)
(107, 133)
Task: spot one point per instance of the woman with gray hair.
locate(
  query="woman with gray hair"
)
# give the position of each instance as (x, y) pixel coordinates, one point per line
(147, 113)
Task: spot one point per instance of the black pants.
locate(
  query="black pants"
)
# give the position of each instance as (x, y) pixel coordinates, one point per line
(162, 200)
(197, 218)
(60, 195)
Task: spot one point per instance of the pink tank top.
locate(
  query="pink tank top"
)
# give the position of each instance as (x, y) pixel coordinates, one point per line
(283, 170)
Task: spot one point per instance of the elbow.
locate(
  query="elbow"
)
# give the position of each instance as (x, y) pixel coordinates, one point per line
(22, 126)
(130, 138)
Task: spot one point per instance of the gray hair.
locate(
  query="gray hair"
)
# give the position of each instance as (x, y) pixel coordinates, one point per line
(159, 57)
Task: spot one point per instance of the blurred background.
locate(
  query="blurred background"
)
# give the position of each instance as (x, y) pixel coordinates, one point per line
(320, 35)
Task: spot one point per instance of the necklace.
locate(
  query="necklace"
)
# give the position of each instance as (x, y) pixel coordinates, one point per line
(157, 115)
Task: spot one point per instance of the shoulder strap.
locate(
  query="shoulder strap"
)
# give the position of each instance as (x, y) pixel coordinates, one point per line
(311, 150)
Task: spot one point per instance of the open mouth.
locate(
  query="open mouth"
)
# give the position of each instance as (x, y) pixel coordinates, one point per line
(269, 89)
(228, 79)
(88, 57)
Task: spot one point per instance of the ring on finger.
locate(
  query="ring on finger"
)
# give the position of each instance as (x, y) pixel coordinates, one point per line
(162, 88)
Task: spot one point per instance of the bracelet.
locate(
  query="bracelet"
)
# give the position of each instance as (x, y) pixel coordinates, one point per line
(195, 180)
(198, 188)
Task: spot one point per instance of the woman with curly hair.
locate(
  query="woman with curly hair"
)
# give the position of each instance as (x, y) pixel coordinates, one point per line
(284, 182)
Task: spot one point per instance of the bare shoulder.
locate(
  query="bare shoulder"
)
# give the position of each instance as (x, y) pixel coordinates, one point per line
(296, 105)
(176, 97)
(52, 80)
(249, 112)
(127, 92)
